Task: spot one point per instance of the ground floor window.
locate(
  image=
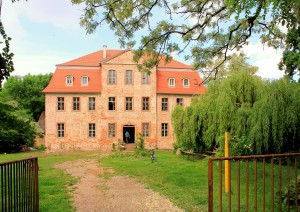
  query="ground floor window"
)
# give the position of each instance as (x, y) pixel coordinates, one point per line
(111, 130)
(164, 129)
(145, 127)
(92, 130)
(60, 130)
(179, 101)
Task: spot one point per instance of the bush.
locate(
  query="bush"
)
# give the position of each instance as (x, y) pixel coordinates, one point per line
(140, 147)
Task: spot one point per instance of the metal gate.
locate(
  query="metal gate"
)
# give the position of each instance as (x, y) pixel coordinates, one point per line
(255, 183)
(19, 185)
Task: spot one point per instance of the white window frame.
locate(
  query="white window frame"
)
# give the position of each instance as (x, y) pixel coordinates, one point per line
(128, 103)
(60, 103)
(111, 103)
(184, 84)
(60, 130)
(84, 80)
(145, 103)
(145, 129)
(164, 129)
(92, 130)
(145, 78)
(76, 103)
(111, 130)
(69, 80)
(164, 104)
(112, 77)
(129, 77)
(172, 82)
(92, 103)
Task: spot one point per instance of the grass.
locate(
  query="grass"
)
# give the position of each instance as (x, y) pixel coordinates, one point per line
(55, 186)
(183, 181)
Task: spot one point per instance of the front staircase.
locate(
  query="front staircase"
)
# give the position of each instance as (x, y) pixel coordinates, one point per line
(130, 147)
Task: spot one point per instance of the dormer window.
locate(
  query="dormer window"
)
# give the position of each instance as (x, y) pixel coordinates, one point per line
(171, 82)
(69, 80)
(186, 82)
(84, 80)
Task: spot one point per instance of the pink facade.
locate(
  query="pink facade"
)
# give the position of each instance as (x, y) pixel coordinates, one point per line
(93, 100)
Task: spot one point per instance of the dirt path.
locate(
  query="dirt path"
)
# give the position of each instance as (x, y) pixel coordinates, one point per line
(95, 192)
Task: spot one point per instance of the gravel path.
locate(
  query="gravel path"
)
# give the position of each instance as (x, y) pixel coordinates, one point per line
(95, 192)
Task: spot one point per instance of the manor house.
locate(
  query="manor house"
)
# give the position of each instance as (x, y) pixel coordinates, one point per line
(92, 101)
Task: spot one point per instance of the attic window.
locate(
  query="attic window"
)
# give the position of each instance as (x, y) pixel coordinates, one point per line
(69, 80)
(84, 80)
(171, 82)
(186, 82)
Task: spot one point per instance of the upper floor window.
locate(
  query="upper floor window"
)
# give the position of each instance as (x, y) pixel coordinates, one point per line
(186, 82)
(69, 80)
(111, 77)
(76, 103)
(145, 103)
(128, 77)
(60, 103)
(84, 80)
(60, 130)
(92, 103)
(128, 103)
(111, 103)
(145, 78)
(172, 82)
(92, 130)
(179, 101)
(164, 104)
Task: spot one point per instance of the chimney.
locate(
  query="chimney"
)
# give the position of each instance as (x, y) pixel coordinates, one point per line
(173, 54)
(104, 51)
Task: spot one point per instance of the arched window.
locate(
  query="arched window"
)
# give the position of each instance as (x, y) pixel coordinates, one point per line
(171, 82)
(186, 82)
(84, 80)
(69, 80)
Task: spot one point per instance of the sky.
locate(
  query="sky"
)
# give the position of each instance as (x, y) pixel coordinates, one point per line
(45, 33)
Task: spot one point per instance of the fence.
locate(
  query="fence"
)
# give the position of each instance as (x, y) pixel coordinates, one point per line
(256, 183)
(19, 185)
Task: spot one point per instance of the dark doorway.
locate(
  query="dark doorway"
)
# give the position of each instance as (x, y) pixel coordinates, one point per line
(130, 130)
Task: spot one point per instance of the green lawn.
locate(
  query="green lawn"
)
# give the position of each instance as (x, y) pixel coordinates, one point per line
(183, 181)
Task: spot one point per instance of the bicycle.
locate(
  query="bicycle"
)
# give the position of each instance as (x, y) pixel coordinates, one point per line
(152, 155)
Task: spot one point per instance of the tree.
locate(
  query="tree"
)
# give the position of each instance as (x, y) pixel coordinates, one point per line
(16, 127)
(27, 91)
(262, 117)
(201, 29)
(290, 61)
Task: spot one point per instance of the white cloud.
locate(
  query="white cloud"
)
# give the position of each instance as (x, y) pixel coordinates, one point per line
(266, 58)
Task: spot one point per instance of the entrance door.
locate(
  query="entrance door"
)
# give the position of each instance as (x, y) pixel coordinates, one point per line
(130, 130)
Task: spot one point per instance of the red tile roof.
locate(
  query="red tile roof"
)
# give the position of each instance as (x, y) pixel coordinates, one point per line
(162, 84)
(172, 64)
(92, 59)
(58, 81)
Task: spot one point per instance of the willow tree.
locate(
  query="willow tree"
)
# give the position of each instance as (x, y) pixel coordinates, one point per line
(261, 117)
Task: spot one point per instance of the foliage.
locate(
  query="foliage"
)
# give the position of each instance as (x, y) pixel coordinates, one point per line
(27, 91)
(207, 28)
(16, 127)
(6, 62)
(289, 194)
(140, 147)
(290, 61)
(261, 116)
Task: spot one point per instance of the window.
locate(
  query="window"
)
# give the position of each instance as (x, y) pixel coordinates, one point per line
(145, 78)
(111, 77)
(69, 80)
(145, 129)
(111, 103)
(92, 103)
(172, 82)
(164, 104)
(128, 103)
(84, 80)
(128, 77)
(164, 129)
(111, 130)
(92, 130)
(186, 82)
(76, 103)
(60, 103)
(145, 103)
(60, 130)
(179, 101)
